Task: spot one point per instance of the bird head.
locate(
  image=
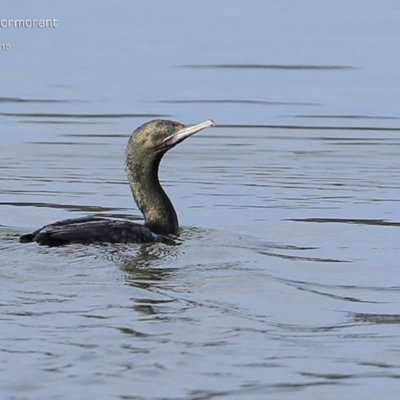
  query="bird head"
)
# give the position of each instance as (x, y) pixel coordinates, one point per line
(161, 135)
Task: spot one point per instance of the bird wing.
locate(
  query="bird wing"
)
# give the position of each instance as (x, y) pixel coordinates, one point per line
(91, 230)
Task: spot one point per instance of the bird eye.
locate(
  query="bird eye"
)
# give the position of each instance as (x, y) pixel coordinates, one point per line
(168, 131)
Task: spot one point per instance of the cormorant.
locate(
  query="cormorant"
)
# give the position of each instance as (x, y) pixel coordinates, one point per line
(144, 151)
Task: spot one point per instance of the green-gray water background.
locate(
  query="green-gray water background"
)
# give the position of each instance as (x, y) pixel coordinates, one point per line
(285, 283)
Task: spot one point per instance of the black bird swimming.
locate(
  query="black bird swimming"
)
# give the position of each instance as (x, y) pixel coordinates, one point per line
(145, 149)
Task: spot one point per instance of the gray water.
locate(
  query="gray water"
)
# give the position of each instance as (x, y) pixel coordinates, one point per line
(284, 282)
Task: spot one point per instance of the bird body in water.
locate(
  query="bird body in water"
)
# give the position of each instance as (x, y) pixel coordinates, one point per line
(144, 151)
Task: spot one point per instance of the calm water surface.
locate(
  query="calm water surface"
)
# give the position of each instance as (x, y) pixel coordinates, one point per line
(284, 281)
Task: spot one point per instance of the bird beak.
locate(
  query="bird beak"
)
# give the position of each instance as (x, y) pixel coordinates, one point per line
(187, 131)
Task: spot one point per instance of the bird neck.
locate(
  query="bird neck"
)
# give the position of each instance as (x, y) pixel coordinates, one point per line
(156, 207)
